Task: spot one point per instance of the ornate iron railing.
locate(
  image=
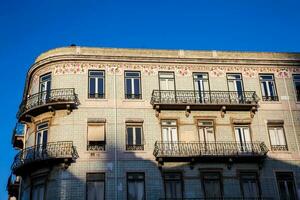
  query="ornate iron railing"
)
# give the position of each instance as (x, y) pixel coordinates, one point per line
(196, 149)
(96, 147)
(270, 98)
(279, 148)
(133, 96)
(49, 151)
(48, 97)
(134, 147)
(207, 97)
(12, 185)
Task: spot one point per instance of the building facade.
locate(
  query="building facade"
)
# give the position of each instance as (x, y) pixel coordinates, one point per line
(97, 123)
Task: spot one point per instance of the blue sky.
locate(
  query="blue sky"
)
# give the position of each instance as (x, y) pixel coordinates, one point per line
(28, 28)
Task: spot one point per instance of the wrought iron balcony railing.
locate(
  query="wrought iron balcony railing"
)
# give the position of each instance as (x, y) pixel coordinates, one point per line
(55, 152)
(192, 97)
(12, 187)
(279, 148)
(18, 136)
(134, 147)
(270, 98)
(193, 150)
(55, 97)
(133, 96)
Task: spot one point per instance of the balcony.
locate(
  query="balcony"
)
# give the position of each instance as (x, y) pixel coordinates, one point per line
(18, 136)
(13, 185)
(51, 100)
(209, 100)
(39, 156)
(134, 147)
(209, 151)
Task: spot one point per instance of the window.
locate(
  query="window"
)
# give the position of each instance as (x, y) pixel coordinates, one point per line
(136, 186)
(133, 85)
(169, 131)
(166, 81)
(173, 185)
(206, 131)
(296, 79)
(235, 87)
(38, 191)
(268, 87)
(212, 185)
(96, 137)
(249, 185)
(95, 186)
(134, 135)
(45, 87)
(41, 134)
(286, 186)
(201, 87)
(243, 138)
(277, 138)
(96, 84)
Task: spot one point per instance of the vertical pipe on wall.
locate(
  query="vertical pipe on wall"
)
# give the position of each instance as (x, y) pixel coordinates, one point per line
(116, 141)
(291, 115)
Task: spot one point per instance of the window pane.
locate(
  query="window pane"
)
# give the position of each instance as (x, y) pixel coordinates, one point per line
(135, 186)
(128, 86)
(92, 86)
(130, 135)
(100, 86)
(136, 86)
(138, 136)
(212, 185)
(286, 185)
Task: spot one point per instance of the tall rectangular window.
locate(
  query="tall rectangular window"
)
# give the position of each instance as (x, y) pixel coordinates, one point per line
(169, 131)
(133, 85)
(286, 185)
(136, 186)
(96, 84)
(243, 138)
(41, 134)
(96, 137)
(277, 138)
(268, 87)
(212, 185)
(249, 185)
(235, 87)
(201, 87)
(206, 131)
(296, 79)
(166, 80)
(134, 137)
(173, 185)
(45, 88)
(38, 191)
(95, 186)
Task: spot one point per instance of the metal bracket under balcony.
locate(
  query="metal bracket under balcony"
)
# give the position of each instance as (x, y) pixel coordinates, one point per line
(208, 100)
(209, 152)
(45, 155)
(55, 99)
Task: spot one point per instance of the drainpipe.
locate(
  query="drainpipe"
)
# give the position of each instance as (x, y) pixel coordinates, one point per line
(291, 115)
(115, 149)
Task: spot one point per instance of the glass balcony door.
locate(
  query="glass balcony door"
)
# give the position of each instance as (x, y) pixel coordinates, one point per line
(41, 139)
(170, 136)
(243, 138)
(45, 87)
(235, 84)
(201, 87)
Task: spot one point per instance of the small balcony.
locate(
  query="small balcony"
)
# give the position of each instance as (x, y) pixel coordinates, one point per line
(208, 100)
(55, 99)
(39, 156)
(13, 185)
(17, 139)
(134, 147)
(209, 151)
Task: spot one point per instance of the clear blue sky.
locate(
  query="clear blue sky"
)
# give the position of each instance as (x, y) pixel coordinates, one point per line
(28, 28)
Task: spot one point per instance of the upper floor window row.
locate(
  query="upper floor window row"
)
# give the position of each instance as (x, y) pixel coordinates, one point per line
(133, 88)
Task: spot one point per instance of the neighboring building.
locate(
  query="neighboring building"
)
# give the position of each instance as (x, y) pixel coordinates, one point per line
(101, 123)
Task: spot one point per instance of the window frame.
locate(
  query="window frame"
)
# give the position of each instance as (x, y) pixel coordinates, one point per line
(181, 182)
(293, 179)
(40, 80)
(102, 145)
(136, 147)
(37, 129)
(295, 89)
(167, 72)
(86, 185)
(162, 126)
(98, 77)
(240, 174)
(139, 96)
(212, 126)
(227, 79)
(220, 174)
(276, 97)
(277, 125)
(127, 181)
